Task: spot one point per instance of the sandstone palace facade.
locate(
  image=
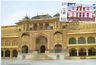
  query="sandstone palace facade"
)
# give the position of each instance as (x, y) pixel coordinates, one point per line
(45, 37)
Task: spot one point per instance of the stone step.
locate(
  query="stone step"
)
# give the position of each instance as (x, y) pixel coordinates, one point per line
(41, 57)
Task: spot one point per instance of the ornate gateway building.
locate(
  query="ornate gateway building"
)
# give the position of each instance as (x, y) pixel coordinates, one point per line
(44, 37)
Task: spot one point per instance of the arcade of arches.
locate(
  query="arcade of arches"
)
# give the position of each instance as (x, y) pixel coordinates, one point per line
(82, 40)
(9, 53)
(42, 44)
(82, 52)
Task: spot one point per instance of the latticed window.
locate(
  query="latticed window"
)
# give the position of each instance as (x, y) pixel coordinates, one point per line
(7, 43)
(90, 40)
(81, 40)
(72, 40)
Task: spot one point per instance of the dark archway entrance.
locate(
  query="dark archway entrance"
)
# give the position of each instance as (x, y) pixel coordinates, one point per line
(7, 53)
(25, 49)
(14, 53)
(82, 52)
(41, 44)
(73, 52)
(42, 49)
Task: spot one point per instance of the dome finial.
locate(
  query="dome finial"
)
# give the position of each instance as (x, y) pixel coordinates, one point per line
(26, 17)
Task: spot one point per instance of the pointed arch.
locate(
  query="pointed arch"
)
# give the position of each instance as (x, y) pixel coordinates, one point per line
(73, 52)
(14, 53)
(82, 52)
(91, 51)
(58, 48)
(24, 49)
(81, 40)
(7, 53)
(91, 39)
(72, 40)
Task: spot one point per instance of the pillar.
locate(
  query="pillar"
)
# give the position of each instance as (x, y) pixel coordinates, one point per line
(76, 40)
(10, 53)
(68, 53)
(38, 26)
(4, 53)
(77, 52)
(78, 14)
(86, 51)
(11, 44)
(86, 39)
(43, 26)
(25, 27)
(81, 14)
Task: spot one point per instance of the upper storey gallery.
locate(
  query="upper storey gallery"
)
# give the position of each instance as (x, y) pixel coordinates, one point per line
(47, 22)
(40, 22)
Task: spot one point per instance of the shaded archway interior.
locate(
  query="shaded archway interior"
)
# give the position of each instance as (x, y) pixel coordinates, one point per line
(41, 44)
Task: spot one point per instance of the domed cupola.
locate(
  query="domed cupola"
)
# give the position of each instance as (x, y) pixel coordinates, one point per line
(42, 17)
(26, 18)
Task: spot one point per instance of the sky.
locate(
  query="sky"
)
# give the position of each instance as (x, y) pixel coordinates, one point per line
(13, 11)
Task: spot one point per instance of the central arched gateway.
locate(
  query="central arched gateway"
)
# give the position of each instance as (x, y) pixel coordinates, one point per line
(41, 44)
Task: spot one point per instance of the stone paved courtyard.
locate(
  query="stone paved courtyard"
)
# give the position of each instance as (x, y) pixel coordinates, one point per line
(49, 62)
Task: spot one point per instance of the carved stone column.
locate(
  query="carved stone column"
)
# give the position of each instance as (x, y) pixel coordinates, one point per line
(37, 26)
(43, 26)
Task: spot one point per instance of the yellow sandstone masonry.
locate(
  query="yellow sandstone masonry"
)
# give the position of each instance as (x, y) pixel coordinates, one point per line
(47, 35)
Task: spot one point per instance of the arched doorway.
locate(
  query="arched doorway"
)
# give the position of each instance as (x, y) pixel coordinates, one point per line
(82, 52)
(14, 53)
(58, 48)
(7, 53)
(42, 49)
(91, 52)
(73, 52)
(41, 44)
(25, 49)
